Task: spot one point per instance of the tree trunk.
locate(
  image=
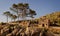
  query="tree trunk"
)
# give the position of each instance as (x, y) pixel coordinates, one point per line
(18, 14)
(14, 20)
(7, 18)
(11, 19)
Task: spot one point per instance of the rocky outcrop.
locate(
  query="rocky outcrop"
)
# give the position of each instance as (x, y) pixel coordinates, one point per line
(16, 30)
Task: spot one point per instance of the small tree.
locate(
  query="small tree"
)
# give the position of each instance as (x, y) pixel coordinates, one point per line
(7, 13)
(14, 17)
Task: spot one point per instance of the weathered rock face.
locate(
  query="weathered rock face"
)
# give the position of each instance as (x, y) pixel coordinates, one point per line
(17, 30)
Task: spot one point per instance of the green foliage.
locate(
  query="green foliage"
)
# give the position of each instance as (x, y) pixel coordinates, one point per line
(23, 10)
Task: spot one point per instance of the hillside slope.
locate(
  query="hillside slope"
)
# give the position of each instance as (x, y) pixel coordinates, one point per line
(53, 17)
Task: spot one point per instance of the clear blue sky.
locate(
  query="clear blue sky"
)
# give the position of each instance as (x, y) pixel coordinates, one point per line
(42, 7)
